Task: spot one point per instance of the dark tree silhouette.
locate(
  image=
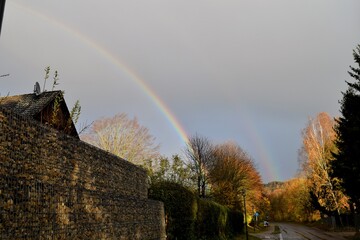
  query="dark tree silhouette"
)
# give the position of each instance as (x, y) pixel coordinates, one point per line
(347, 161)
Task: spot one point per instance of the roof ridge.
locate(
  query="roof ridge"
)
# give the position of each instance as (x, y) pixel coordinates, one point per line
(17, 95)
(30, 103)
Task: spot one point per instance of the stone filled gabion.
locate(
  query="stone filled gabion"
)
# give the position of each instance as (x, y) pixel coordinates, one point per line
(53, 186)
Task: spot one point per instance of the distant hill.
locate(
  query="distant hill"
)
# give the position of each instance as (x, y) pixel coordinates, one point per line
(274, 185)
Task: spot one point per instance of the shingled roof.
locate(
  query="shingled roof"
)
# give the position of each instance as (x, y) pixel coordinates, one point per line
(40, 107)
(29, 105)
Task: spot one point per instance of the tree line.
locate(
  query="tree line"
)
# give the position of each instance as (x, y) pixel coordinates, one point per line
(212, 177)
(328, 183)
(215, 171)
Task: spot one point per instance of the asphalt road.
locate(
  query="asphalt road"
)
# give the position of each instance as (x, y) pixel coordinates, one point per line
(291, 231)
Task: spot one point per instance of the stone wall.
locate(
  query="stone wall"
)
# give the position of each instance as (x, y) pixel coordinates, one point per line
(53, 186)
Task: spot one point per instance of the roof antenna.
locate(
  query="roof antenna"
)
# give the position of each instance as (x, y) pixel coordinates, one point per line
(37, 89)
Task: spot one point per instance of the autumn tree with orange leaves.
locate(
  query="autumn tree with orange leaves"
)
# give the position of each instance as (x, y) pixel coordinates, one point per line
(316, 156)
(232, 171)
(290, 201)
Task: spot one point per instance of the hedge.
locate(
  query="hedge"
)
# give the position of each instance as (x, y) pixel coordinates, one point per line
(215, 221)
(189, 217)
(180, 209)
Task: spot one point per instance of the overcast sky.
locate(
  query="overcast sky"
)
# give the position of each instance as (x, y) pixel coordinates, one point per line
(248, 71)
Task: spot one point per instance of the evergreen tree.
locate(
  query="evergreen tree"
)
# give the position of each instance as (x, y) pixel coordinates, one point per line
(347, 160)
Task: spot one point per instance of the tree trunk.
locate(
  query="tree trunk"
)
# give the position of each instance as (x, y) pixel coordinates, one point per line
(203, 188)
(199, 186)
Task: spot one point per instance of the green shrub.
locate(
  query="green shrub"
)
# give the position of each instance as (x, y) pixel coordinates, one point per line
(180, 209)
(236, 222)
(215, 221)
(188, 217)
(211, 220)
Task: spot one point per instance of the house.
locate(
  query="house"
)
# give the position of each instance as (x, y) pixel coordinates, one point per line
(48, 108)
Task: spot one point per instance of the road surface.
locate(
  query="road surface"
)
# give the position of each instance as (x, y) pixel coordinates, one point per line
(291, 231)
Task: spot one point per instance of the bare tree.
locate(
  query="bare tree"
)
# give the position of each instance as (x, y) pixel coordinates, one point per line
(199, 153)
(123, 137)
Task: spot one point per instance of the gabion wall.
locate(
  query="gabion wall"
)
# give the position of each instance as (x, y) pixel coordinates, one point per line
(53, 186)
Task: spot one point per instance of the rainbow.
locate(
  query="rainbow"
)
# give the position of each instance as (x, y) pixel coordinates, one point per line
(160, 104)
(268, 168)
(267, 165)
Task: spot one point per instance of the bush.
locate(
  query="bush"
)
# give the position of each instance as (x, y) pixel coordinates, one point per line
(215, 221)
(235, 223)
(188, 217)
(211, 220)
(180, 209)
